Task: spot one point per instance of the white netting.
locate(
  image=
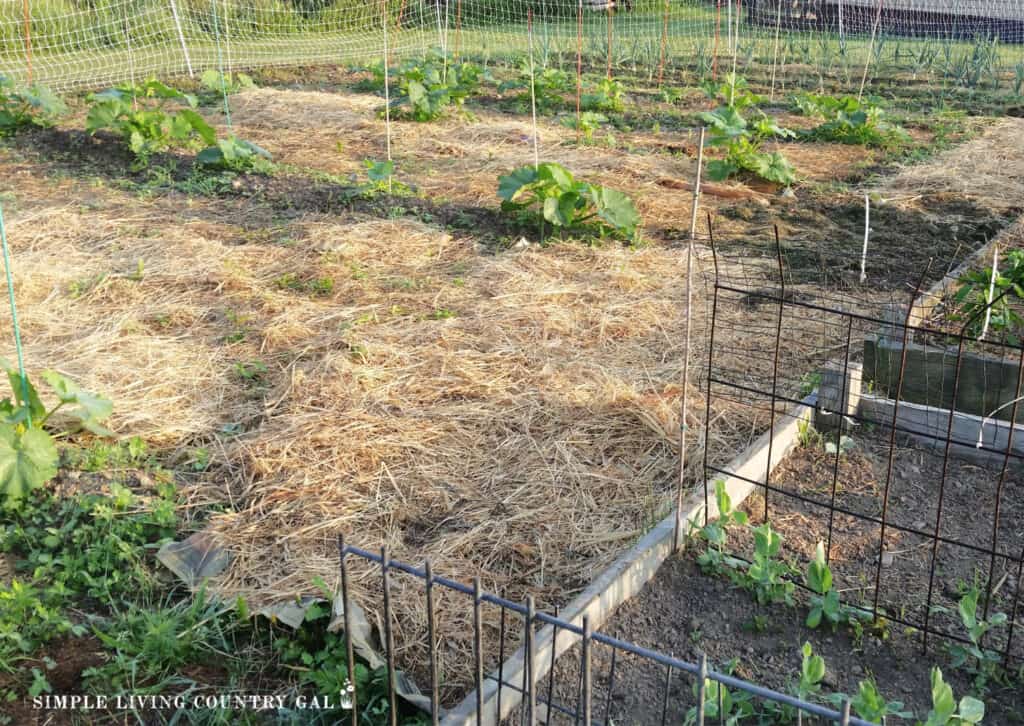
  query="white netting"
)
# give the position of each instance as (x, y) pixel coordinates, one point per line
(970, 43)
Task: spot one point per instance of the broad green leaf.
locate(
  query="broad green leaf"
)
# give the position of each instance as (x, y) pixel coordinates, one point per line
(33, 405)
(943, 703)
(27, 461)
(91, 409)
(615, 208)
(198, 123)
(210, 156)
(558, 174)
(510, 184)
(102, 116)
(721, 169)
(971, 710)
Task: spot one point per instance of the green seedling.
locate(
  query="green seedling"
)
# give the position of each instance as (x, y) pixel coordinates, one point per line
(721, 705)
(715, 533)
(870, 705)
(946, 711)
(235, 154)
(984, 664)
(766, 576)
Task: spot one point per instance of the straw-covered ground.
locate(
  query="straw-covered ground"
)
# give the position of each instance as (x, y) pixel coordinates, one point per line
(395, 373)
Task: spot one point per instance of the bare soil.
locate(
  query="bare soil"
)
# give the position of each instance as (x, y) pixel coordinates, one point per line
(685, 612)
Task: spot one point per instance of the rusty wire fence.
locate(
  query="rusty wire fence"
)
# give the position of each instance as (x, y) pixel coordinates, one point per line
(909, 462)
(528, 688)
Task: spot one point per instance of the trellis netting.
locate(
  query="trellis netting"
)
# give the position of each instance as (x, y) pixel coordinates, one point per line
(968, 43)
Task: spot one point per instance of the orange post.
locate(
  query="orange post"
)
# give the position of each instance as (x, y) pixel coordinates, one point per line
(579, 66)
(28, 39)
(458, 25)
(664, 42)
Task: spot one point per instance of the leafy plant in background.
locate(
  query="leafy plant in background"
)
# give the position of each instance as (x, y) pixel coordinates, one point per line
(847, 120)
(972, 298)
(216, 82)
(566, 203)
(982, 663)
(549, 88)
(28, 455)
(946, 711)
(766, 576)
(588, 123)
(429, 87)
(237, 155)
(714, 559)
(141, 115)
(742, 141)
(605, 97)
(22, 106)
(733, 92)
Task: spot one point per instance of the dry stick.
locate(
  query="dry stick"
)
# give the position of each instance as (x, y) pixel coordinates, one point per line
(677, 536)
(991, 291)
(871, 50)
(867, 232)
(181, 38)
(775, 51)
(28, 39)
(579, 66)
(387, 92)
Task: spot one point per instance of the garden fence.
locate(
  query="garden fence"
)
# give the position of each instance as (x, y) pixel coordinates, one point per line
(582, 695)
(831, 45)
(913, 454)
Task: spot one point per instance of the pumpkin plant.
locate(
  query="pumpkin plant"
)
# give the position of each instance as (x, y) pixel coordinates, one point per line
(28, 454)
(564, 202)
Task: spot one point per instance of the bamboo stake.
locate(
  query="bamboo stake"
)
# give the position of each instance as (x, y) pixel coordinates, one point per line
(677, 537)
(28, 39)
(871, 50)
(991, 291)
(181, 38)
(867, 233)
(664, 43)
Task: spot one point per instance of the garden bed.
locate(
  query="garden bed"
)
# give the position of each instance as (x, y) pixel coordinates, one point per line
(417, 370)
(685, 611)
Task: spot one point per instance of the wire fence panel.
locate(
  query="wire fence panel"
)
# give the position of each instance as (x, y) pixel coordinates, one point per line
(840, 45)
(578, 690)
(910, 473)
